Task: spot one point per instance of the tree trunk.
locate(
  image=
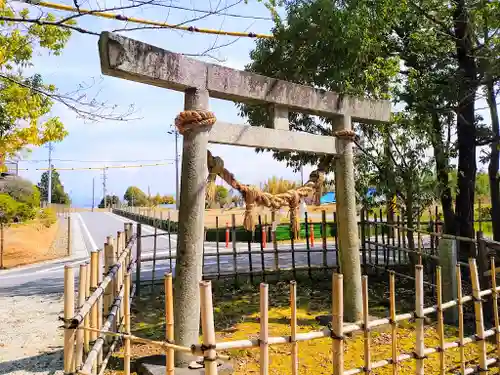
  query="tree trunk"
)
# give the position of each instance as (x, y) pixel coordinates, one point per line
(442, 168)
(2, 163)
(493, 166)
(409, 224)
(466, 127)
(390, 204)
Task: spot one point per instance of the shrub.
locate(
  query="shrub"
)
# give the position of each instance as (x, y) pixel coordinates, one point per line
(21, 190)
(484, 213)
(8, 208)
(48, 216)
(24, 212)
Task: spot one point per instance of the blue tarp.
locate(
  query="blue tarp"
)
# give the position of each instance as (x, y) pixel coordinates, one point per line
(328, 198)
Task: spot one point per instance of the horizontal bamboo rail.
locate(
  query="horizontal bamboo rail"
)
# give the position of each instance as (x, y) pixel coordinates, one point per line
(419, 231)
(99, 342)
(99, 291)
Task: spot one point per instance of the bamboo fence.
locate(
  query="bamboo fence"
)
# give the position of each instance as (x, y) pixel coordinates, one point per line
(338, 331)
(103, 305)
(89, 341)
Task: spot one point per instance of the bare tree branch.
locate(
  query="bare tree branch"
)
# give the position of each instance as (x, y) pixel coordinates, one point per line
(89, 110)
(42, 22)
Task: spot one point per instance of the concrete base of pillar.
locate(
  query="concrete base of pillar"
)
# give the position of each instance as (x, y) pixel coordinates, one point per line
(155, 365)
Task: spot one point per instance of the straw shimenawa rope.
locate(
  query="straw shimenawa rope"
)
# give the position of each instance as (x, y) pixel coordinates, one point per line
(190, 120)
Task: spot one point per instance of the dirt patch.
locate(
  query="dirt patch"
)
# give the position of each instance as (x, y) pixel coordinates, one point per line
(34, 242)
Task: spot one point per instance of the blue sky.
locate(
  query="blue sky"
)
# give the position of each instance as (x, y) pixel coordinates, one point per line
(145, 140)
(121, 143)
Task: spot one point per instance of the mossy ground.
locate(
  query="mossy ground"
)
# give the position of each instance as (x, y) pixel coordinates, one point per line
(237, 317)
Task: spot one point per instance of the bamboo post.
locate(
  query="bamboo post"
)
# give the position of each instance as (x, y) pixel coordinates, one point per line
(127, 234)
(207, 326)
(100, 302)
(394, 325)
(293, 325)
(154, 257)
(478, 312)
(494, 294)
(139, 254)
(93, 285)
(419, 317)
(109, 253)
(121, 276)
(69, 311)
(233, 239)
(264, 329)
(366, 330)
(119, 244)
(81, 300)
(275, 241)
(126, 303)
(116, 287)
(94, 279)
(440, 321)
(460, 309)
(169, 319)
(86, 321)
(338, 323)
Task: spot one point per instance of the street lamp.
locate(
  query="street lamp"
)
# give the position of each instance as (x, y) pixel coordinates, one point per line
(176, 134)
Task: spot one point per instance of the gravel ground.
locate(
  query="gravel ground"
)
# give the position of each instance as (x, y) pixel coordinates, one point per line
(30, 341)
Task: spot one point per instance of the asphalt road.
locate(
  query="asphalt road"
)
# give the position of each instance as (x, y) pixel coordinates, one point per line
(89, 232)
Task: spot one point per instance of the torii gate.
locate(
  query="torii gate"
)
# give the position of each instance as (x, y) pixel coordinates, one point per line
(137, 61)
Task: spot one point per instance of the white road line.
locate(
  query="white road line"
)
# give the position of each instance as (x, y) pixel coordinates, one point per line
(87, 233)
(145, 228)
(57, 268)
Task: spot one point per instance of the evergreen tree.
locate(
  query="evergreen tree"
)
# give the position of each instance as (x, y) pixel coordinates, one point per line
(59, 196)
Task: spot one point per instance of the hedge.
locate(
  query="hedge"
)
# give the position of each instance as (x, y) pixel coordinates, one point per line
(242, 235)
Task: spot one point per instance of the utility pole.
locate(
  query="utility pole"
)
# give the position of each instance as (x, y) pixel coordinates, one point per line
(49, 187)
(93, 193)
(176, 134)
(104, 177)
(302, 174)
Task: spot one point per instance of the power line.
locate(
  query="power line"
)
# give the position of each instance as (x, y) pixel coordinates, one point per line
(95, 161)
(206, 11)
(121, 17)
(97, 168)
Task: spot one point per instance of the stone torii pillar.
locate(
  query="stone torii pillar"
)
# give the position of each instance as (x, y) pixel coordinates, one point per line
(136, 61)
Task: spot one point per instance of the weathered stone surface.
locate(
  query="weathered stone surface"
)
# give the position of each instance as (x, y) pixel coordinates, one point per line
(191, 230)
(350, 264)
(137, 61)
(155, 365)
(253, 136)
